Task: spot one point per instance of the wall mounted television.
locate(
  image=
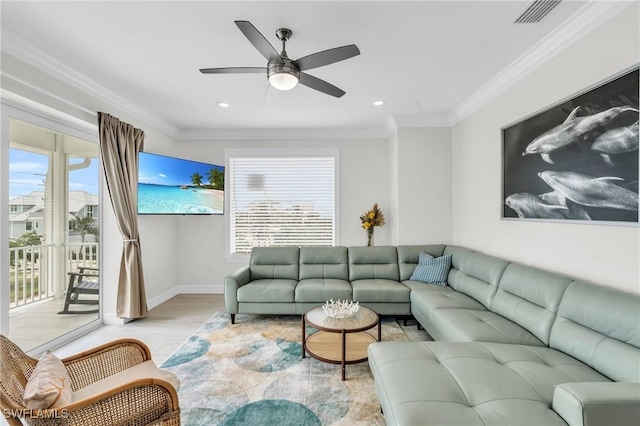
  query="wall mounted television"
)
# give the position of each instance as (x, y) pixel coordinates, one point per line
(169, 185)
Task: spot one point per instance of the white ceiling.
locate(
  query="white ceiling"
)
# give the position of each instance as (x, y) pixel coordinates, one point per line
(428, 60)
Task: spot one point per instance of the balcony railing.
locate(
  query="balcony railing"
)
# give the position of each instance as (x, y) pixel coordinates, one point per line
(32, 270)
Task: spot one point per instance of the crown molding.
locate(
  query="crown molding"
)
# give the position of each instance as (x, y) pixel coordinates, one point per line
(588, 18)
(283, 134)
(384, 131)
(25, 51)
(422, 120)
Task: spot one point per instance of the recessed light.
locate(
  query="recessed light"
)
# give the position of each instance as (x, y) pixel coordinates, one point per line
(378, 103)
(223, 105)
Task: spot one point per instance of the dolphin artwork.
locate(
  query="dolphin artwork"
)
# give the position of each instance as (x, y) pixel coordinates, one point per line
(573, 210)
(573, 129)
(590, 191)
(616, 141)
(530, 206)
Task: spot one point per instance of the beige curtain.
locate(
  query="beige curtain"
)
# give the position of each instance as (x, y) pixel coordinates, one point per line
(119, 146)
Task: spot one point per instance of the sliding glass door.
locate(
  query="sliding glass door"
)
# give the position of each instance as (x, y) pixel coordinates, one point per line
(53, 235)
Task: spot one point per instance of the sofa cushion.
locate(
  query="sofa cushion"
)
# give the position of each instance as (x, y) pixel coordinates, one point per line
(380, 290)
(274, 263)
(436, 383)
(530, 297)
(432, 270)
(324, 262)
(373, 263)
(408, 257)
(428, 298)
(268, 291)
(320, 290)
(466, 325)
(599, 326)
(458, 255)
(479, 277)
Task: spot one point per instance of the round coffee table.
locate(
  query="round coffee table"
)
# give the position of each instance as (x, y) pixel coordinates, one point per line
(339, 340)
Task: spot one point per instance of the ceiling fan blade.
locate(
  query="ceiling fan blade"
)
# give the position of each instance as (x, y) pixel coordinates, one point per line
(234, 70)
(257, 39)
(327, 57)
(320, 85)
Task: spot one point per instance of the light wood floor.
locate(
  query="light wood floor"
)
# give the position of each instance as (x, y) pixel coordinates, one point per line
(169, 325)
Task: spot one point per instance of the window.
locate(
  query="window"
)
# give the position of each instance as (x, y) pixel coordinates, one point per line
(281, 198)
(14, 208)
(28, 226)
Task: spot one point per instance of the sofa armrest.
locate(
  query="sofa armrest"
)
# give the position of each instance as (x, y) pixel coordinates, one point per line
(232, 283)
(601, 403)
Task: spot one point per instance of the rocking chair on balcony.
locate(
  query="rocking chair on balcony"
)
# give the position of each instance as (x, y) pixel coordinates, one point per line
(84, 282)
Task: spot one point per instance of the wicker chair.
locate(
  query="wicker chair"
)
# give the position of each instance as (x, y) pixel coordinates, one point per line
(137, 401)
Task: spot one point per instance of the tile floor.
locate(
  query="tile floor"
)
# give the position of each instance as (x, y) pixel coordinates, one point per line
(169, 325)
(33, 325)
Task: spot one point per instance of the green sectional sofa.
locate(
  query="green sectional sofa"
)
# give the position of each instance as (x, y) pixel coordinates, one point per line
(514, 344)
(292, 280)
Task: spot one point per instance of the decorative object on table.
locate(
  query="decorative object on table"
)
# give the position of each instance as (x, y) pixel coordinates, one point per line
(577, 160)
(340, 308)
(253, 373)
(339, 342)
(370, 220)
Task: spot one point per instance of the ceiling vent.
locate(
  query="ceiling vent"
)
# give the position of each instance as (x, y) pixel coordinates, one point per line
(536, 11)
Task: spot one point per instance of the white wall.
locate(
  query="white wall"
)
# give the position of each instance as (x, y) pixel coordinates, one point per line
(364, 180)
(68, 105)
(607, 255)
(424, 185)
(414, 193)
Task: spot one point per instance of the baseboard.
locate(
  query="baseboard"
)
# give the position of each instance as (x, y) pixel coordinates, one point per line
(184, 289)
(113, 319)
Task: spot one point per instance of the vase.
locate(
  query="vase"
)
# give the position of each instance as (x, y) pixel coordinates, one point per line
(369, 237)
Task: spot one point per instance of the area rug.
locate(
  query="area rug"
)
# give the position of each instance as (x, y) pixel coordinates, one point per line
(252, 373)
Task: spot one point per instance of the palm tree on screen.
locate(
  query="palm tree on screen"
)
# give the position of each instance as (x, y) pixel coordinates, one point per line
(196, 179)
(216, 178)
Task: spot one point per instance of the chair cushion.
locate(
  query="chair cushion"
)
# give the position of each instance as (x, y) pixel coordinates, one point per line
(436, 383)
(321, 290)
(146, 369)
(49, 385)
(268, 290)
(380, 290)
(468, 325)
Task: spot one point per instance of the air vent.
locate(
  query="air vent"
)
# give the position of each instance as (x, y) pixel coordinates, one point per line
(537, 10)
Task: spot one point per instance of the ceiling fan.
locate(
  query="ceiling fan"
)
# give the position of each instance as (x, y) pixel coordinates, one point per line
(284, 73)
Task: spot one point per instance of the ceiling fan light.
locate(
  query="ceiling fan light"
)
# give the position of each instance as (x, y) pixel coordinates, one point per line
(283, 81)
(283, 75)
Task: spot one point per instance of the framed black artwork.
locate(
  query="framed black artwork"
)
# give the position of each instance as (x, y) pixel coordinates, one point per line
(577, 160)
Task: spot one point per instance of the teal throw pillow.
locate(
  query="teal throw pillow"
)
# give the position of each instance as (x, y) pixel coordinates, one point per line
(432, 270)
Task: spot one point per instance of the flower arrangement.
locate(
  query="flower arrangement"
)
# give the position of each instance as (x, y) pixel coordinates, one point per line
(340, 308)
(370, 220)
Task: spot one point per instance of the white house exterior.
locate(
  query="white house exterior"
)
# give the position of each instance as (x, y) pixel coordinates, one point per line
(26, 212)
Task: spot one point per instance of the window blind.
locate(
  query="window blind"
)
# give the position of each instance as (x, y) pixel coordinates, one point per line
(281, 201)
